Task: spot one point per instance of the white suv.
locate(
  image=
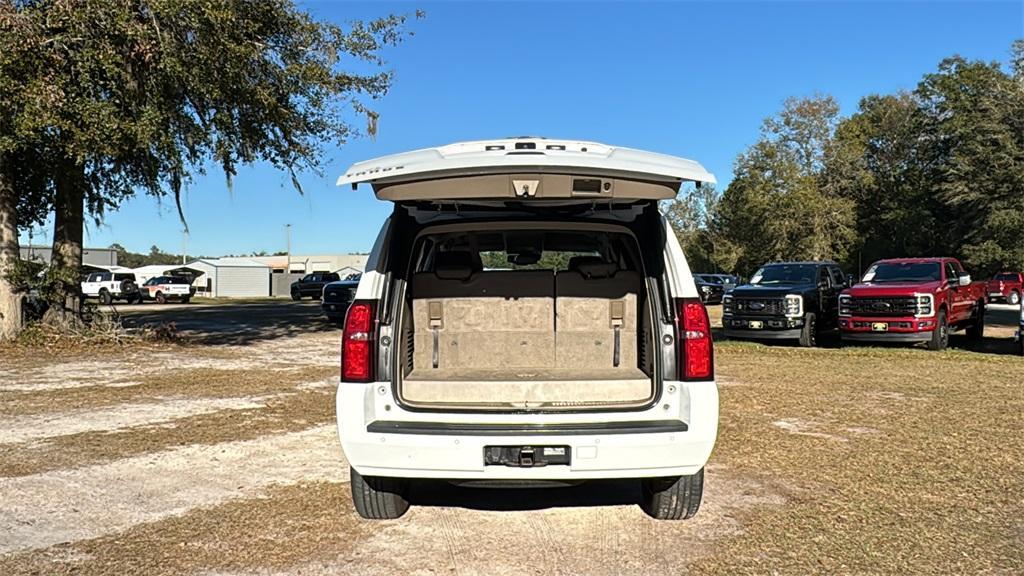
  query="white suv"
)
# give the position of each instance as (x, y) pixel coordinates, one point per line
(527, 317)
(109, 286)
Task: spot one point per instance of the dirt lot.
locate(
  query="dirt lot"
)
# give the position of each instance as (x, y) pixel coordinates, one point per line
(220, 457)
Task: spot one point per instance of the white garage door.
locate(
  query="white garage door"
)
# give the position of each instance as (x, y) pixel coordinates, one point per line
(241, 282)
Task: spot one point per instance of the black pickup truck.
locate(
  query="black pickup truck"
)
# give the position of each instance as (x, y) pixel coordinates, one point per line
(785, 301)
(312, 285)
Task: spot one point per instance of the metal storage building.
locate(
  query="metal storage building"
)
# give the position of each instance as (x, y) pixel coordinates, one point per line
(232, 278)
(100, 257)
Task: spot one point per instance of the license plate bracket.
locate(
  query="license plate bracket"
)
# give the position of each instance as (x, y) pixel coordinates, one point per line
(755, 324)
(879, 326)
(527, 456)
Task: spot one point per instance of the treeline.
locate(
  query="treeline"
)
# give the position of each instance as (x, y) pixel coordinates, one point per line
(935, 171)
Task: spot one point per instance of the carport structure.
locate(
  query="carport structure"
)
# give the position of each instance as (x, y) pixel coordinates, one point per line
(144, 273)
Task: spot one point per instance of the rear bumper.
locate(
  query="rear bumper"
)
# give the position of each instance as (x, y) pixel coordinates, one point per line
(673, 437)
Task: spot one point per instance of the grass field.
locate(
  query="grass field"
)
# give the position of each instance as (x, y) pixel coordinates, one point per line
(890, 459)
(223, 459)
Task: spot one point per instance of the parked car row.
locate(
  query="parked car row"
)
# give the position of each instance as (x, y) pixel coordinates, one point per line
(110, 286)
(906, 300)
(713, 286)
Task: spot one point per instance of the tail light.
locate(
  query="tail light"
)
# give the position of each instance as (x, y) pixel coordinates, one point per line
(696, 351)
(357, 343)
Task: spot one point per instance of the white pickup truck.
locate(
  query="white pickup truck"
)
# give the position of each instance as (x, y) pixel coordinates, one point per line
(109, 286)
(163, 288)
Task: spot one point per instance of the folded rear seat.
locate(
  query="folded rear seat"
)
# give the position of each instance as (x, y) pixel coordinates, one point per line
(597, 311)
(468, 319)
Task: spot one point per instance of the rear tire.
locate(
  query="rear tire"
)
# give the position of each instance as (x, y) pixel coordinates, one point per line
(940, 336)
(105, 297)
(185, 299)
(976, 329)
(1013, 298)
(809, 333)
(676, 498)
(378, 498)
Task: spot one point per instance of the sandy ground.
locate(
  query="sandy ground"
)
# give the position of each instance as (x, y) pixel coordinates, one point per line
(23, 428)
(36, 512)
(278, 503)
(52, 519)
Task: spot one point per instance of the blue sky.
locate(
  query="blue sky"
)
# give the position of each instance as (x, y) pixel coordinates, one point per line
(691, 79)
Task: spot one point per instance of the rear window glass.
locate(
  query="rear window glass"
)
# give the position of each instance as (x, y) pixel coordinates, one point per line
(528, 260)
(553, 250)
(1007, 276)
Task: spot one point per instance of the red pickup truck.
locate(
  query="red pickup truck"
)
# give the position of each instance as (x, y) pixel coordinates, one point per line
(913, 300)
(1006, 286)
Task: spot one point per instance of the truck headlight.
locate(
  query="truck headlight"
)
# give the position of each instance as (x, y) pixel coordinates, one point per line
(794, 305)
(925, 304)
(705, 289)
(726, 303)
(845, 305)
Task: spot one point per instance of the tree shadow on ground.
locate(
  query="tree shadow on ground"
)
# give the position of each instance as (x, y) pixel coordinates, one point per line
(587, 494)
(234, 324)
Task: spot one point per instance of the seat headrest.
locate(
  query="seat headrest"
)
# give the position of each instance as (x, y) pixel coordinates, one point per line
(454, 265)
(592, 266)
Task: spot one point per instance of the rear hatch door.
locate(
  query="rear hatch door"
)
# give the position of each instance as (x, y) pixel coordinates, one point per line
(525, 169)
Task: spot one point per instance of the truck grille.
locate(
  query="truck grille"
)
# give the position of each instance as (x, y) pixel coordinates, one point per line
(760, 306)
(893, 306)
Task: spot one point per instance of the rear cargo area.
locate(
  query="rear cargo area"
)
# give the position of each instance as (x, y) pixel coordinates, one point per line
(565, 325)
